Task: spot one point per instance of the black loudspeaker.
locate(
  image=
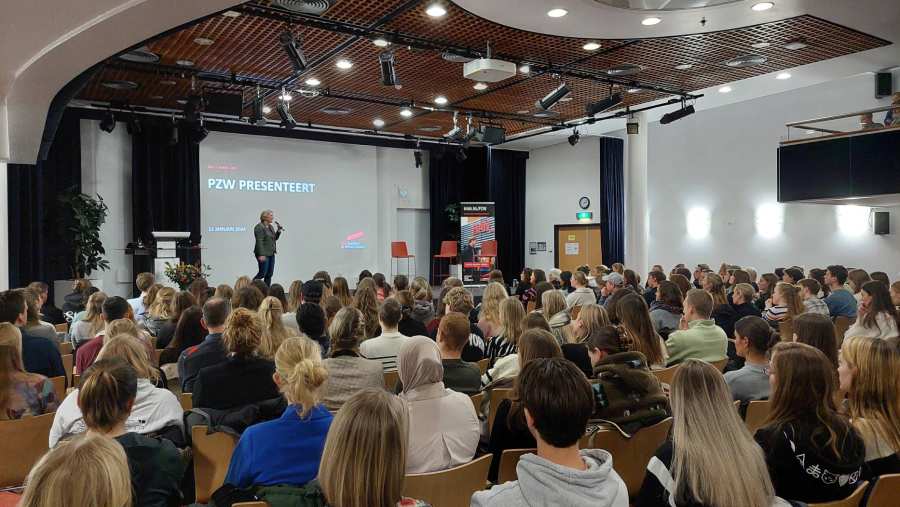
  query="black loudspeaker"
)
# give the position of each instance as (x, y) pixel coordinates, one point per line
(882, 223)
(224, 103)
(884, 85)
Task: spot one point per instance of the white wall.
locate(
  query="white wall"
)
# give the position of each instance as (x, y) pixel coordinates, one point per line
(401, 186)
(4, 228)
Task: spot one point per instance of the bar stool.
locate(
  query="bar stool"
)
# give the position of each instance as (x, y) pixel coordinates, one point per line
(449, 252)
(399, 251)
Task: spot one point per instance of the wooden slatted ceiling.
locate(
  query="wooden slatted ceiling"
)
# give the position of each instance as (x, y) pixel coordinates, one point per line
(248, 45)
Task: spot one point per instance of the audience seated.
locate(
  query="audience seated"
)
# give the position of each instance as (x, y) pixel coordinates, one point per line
(49, 312)
(582, 294)
(530, 294)
(537, 321)
(460, 300)
(856, 278)
(423, 308)
(223, 290)
(160, 312)
(840, 301)
(249, 298)
(409, 325)
(565, 280)
(559, 474)
(22, 394)
(34, 326)
(512, 315)
(742, 301)
(524, 284)
(211, 351)
(183, 300)
(114, 308)
(74, 301)
(539, 289)
(723, 314)
(188, 333)
(553, 308)
(767, 282)
(107, 396)
(154, 410)
(877, 316)
(243, 378)
(489, 311)
(591, 318)
(91, 323)
(653, 279)
(809, 292)
(895, 294)
(804, 422)
(753, 337)
(784, 305)
(384, 347)
(792, 275)
(698, 336)
(287, 450)
(630, 395)
(348, 371)
(39, 355)
(668, 307)
(274, 331)
(366, 301)
(635, 318)
(710, 457)
(311, 321)
(443, 426)
(382, 287)
(452, 337)
(817, 331)
(92, 470)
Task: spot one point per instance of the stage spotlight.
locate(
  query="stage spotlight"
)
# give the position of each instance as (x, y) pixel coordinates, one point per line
(294, 51)
(199, 132)
(575, 137)
(388, 73)
(133, 126)
(677, 115)
(613, 100)
(461, 155)
(553, 97)
(418, 157)
(284, 112)
(258, 116)
(108, 123)
(173, 132)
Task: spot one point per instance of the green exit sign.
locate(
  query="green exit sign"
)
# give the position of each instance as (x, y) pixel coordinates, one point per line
(584, 216)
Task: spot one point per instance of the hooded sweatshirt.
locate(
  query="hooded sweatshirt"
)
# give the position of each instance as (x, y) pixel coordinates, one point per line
(423, 311)
(542, 482)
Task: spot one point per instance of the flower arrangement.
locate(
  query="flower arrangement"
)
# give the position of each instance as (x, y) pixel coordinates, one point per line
(185, 274)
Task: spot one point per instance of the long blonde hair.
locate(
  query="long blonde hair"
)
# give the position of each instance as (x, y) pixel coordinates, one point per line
(366, 301)
(341, 289)
(242, 282)
(364, 460)
(790, 295)
(707, 433)
(273, 330)
(494, 293)
(299, 365)
(421, 289)
(592, 317)
(162, 304)
(129, 349)
(89, 470)
(512, 318)
(875, 394)
(94, 313)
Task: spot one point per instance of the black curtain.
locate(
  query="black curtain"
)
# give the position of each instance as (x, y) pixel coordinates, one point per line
(39, 249)
(612, 199)
(165, 186)
(507, 190)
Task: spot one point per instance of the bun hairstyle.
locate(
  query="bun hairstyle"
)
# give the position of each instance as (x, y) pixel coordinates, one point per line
(299, 364)
(106, 394)
(758, 333)
(346, 330)
(243, 332)
(610, 339)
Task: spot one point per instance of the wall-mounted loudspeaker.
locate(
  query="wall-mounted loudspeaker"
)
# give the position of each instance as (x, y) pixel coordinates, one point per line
(882, 224)
(884, 85)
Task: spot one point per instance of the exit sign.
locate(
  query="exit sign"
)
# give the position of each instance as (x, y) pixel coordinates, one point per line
(584, 216)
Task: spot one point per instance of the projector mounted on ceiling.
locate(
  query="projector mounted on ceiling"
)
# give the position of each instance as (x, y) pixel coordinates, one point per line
(489, 70)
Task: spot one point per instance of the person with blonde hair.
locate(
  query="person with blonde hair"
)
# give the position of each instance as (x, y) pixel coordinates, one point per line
(512, 318)
(155, 410)
(91, 323)
(160, 312)
(143, 282)
(22, 394)
(287, 450)
(867, 372)
(274, 331)
(341, 289)
(590, 319)
(553, 306)
(106, 399)
(366, 301)
(348, 371)
(182, 301)
(710, 457)
(91, 471)
(489, 312)
(785, 304)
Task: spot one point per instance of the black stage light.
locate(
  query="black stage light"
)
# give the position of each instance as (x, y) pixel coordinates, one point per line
(284, 112)
(257, 117)
(134, 126)
(677, 115)
(418, 157)
(602, 105)
(553, 97)
(294, 51)
(173, 133)
(388, 73)
(461, 155)
(199, 132)
(574, 138)
(108, 123)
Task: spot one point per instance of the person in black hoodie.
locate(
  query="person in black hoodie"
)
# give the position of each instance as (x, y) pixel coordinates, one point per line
(813, 453)
(75, 301)
(742, 304)
(408, 326)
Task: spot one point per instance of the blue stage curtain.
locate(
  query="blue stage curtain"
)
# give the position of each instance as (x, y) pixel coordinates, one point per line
(507, 190)
(612, 199)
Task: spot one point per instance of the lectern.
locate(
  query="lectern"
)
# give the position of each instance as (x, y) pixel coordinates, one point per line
(166, 246)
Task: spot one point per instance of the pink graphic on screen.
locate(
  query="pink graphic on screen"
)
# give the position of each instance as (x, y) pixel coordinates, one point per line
(354, 241)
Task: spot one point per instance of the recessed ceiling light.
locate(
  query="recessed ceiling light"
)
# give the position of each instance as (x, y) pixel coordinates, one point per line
(181, 101)
(336, 111)
(525, 69)
(440, 100)
(633, 90)
(429, 128)
(650, 21)
(378, 122)
(203, 41)
(557, 13)
(231, 14)
(185, 63)
(381, 42)
(626, 69)
(725, 89)
(344, 64)
(566, 99)
(524, 111)
(168, 82)
(313, 82)
(480, 86)
(120, 84)
(140, 55)
(746, 61)
(267, 109)
(783, 75)
(684, 66)
(761, 45)
(286, 96)
(436, 10)
(795, 45)
(156, 97)
(762, 6)
(591, 46)
(406, 112)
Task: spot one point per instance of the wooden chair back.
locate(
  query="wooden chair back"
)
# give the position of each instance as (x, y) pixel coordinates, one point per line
(666, 375)
(65, 348)
(575, 311)
(59, 386)
(187, 401)
(212, 454)
(508, 461)
(484, 364)
(841, 325)
(853, 500)
(62, 328)
(497, 395)
(156, 354)
(631, 455)
(477, 399)
(76, 380)
(786, 330)
(884, 494)
(68, 361)
(529, 307)
(22, 443)
(449, 488)
(757, 413)
(720, 364)
(390, 380)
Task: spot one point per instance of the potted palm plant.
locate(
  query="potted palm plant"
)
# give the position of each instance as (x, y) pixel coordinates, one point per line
(84, 215)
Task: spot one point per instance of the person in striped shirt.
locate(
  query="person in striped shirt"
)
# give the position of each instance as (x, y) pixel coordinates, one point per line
(784, 304)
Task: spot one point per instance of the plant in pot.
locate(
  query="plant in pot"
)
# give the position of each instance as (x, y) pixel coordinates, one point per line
(85, 215)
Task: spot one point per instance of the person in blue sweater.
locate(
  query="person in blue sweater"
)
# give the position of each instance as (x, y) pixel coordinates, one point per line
(287, 450)
(39, 355)
(841, 302)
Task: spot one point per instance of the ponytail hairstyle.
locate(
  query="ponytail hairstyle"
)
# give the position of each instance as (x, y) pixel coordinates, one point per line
(243, 333)
(94, 313)
(298, 363)
(107, 394)
(273, 330)
(347, 330)
(406, 300)
(421, 289)
(610, 339)
(790, 296)
(758, 333)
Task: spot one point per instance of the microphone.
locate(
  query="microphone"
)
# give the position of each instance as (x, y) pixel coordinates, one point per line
(280, 228)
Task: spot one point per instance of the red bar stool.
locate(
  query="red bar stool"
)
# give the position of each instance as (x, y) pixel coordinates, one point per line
(449, 252)
(399, 251)
(489, 249)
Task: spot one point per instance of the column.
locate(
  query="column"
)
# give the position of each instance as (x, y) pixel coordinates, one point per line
(637, 232)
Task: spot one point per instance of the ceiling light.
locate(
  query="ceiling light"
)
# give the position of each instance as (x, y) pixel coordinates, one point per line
(525, 69)
(480, 86)
(388, 72)
(574, 138)
(794, 45)
(591, 46)
(725, 89)
(381, 42)
(762, 6)
(184, 63)
(633, 90)
(140, 55)
(761, 45)
(286, 96)
(344, 64)
(746, 61)
(294, 50)
(120, 84)
(523, 111)
(266, 109)
(378, 122)
(336, 111)
(604, 104)
(566, 99)
(203, 41)
(676, 115)
(406, 112)
(168, 82)
(557, 13)
(313, 82)
(284, 112)
(440, 100)
(650, 21)
(783, 75)
(553, 97)
(684, 66)
(231, 14)
(626, 69)
(157, 97)
(436, 10)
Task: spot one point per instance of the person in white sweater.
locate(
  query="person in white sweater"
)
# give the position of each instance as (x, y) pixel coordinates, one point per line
(385, 347)
(877, 316)
(582, 294)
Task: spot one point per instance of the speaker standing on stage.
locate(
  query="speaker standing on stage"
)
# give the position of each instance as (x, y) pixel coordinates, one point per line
(264, 250)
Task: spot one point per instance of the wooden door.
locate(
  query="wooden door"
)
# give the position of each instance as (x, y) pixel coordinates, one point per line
(577, 245)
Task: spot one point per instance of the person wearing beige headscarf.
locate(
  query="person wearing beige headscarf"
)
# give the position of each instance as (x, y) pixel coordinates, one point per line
(443, 426)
